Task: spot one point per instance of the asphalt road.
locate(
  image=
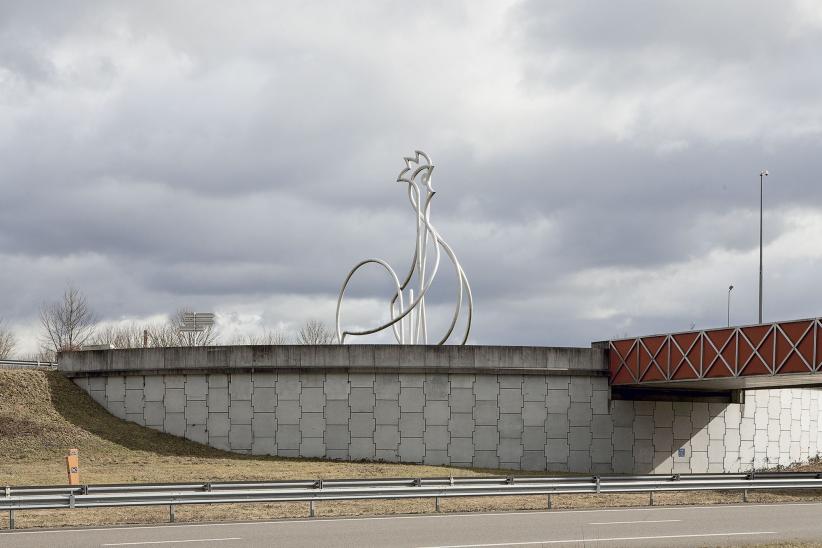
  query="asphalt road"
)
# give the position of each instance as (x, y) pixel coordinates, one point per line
(659, 526)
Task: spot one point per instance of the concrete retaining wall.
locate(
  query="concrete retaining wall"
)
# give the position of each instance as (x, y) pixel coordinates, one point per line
(507, 407)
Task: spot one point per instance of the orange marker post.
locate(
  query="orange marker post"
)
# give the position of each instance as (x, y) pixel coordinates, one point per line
(73, 467)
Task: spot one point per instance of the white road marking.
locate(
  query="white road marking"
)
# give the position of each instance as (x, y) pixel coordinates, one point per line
(420, 516)
(169, 541)
(613, 539)
(638, 521)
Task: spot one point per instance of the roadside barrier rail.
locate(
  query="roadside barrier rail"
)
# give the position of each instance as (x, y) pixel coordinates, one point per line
(171, 494)
(26, 364)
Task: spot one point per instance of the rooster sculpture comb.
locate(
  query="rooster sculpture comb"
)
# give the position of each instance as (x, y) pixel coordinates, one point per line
(410, 323)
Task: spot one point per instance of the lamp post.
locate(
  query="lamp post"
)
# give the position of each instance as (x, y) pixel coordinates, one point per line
(762, 175)
(730, 288)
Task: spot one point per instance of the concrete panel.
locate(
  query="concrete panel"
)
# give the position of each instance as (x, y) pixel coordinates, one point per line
(436, 387)
(239, 412)
(387, 387)
(510, 400)
(263, 446)
(154, 388)
(461, 450)
(412, 399)
(486, 413)
(288, 437)
(534, 438)
(362, 400)
(175, 424)
(486, 459)
(196, 387)
(175, 400)
(559, 401)
(337, 436)
(263, 379)
(386, 437)
(337, 412)
(312, 399)
(486, 438)
(288, 388)
(579, 438)
(581, 390)
(115, 389)
(461, 400)
(239, 388)
(534, 413)
(217, 399)
(336, 386)
(264, 399)
(362, 425)
(312, 447)
(534, 389)
(461, 425)
(362, 448)
(412, 425)
(436, 438)
(264, 425)
(436, 413)
(154, 414)
(387, 412)
(580, 414)
(557, 426)
(435, 457)
(510, 426)
(288, 412)
(134, 401)
(411, 449)
(486, 388)
(557, 451)
(510, 451)
(196, 413)
(312, 425)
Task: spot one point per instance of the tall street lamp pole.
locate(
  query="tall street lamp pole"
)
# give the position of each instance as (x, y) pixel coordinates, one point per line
(762, 175)
(730, 288)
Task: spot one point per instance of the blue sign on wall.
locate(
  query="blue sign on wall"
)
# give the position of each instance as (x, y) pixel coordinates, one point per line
(681, 452)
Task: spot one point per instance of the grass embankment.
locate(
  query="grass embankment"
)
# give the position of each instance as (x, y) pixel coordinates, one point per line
(42, 415)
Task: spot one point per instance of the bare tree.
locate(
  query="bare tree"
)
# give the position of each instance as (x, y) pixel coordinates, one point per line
(315, 332)
(7, 341)
(270, 337)
(129, 335)
(68, 323)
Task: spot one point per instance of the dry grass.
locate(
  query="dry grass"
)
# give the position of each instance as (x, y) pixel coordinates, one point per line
(42, 415)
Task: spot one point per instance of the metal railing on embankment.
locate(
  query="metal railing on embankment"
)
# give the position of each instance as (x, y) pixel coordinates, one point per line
(173, 494)
(26, 364)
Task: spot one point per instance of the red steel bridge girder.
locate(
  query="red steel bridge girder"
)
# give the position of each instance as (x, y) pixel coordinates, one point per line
(783, 351)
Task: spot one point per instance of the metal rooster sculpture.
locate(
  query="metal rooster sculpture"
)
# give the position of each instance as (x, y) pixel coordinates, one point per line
(410, 323)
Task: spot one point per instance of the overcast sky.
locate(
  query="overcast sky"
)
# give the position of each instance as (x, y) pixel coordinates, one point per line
(597, 163)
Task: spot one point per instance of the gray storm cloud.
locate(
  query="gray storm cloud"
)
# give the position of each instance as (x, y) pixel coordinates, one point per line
(597, 165)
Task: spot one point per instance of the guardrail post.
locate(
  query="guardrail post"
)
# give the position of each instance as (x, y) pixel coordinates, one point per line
(436, 504)
(596, 478)
(171, 517)
(311, 509)
(744, 495)
(550, 501)
(651, 499)
(11, 519)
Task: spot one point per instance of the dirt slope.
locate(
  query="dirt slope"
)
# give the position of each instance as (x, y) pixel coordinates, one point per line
(43, 414)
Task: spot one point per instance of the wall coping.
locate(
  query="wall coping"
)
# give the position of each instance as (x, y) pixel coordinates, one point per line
(501, 360)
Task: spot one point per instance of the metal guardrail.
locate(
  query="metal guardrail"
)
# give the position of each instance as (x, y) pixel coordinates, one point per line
(171, 494)
(26, 364)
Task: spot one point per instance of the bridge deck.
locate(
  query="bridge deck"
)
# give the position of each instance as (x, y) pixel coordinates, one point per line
(754, 356)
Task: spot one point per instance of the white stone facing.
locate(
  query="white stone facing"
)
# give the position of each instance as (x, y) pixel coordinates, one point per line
(516, 421)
